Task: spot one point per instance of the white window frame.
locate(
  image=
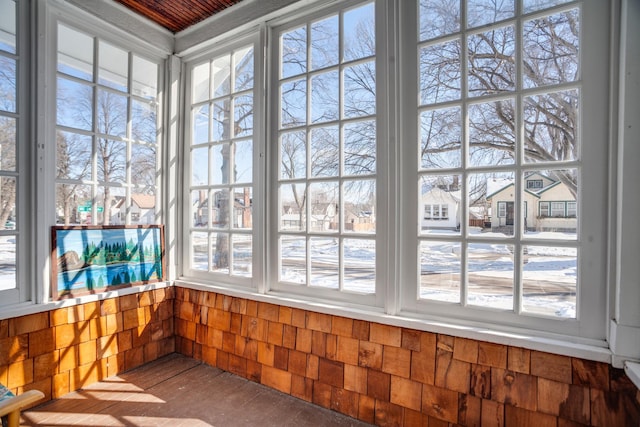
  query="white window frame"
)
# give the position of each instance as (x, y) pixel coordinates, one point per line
(255, 282)
(24, 289)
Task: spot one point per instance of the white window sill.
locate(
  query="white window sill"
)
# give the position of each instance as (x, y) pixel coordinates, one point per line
(27, 308)
(632, 369)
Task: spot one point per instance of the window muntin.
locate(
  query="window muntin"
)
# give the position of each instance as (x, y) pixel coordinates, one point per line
(106, 133)
(485, 110)
(327, 152)
(12, 138)
(222, 150)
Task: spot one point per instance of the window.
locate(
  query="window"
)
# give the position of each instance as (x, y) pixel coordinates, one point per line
(221, 149)
(534, 184)
(558, 209)
(106, 133)
(482, 111)
(326, 136)
(13, 140)
(499, 100)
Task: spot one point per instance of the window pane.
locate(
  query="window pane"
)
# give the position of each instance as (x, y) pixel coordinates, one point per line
(440, 72)
(145, 78)
(491, 61)
(7, 84)
(531, 5)
(293, 198)
(325, 270)
(440, 271)
(73, 204)
(200, 131)
(360, 148)
(243, 63)
(8, 245)
(7, 143)
(491, 133)
(220, 251)
(551, 123)
(221, 164)
(242, 255)
(75, 53)
(480, 12)
(325, 208)
(73, 156)
(293, 259)
(199, 251)
(439, 206)
(74, 105)
(293, 152)
(109, 200)
(360, 90)
(221, 119)
(360, 265)
(220, 209)
(243, 156)
(8, 25)
(243, 116)
(112, 160)
(200, 166)
(549, 278)
(325, 43)
(293, 104)
(242, 208)
(221, 70)
(438, 18)
(324, 97)
(359, 37)
(144, 166)
(440, 138)
(143, 121)
(325, 151)
(200, 82)
(550, 51)
(486, 192)
(114, 66)
(200, 208)
(490, 275)
(112, 113)
(293, 46)
(360, 206)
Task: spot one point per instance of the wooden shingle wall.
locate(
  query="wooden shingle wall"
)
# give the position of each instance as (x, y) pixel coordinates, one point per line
(392, 376)
(65, 349)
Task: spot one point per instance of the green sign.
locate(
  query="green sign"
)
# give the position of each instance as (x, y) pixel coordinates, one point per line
(88, 208)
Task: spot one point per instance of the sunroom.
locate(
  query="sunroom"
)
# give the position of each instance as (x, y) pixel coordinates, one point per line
(279, 152)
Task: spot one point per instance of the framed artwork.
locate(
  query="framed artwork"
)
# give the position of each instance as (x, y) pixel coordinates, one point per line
(92, 259)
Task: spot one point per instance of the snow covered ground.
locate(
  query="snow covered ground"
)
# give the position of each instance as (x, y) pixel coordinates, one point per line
(7, 262)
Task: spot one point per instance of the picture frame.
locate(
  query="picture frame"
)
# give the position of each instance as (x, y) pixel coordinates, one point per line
(91, 259)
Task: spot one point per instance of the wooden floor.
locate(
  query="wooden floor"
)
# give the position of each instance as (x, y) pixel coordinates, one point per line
(179, 391)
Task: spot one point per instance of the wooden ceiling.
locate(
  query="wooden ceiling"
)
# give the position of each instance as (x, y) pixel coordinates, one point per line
(176, 15)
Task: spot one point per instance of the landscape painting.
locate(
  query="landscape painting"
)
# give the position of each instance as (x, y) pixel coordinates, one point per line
(92, 259)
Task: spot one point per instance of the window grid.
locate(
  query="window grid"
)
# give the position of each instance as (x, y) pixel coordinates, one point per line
(327, 154)
(106, 134)
(460, 109)
(221, 182)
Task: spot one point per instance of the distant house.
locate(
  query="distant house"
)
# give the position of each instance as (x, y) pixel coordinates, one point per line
(143, 210)
(241, 206)
(440, 209)
(548, 204)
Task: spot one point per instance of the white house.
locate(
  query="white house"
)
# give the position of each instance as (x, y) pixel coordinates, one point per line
(440, 209)
(549, 205)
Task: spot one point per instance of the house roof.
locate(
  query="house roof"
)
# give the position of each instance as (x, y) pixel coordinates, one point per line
(144, 201)
(177, 15)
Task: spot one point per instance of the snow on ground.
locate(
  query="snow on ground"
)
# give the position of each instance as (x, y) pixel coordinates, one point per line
(7, 262)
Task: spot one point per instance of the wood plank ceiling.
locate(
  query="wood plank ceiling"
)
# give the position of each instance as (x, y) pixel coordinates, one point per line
(176, 15)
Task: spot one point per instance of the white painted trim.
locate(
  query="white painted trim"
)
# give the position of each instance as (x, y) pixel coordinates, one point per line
(29, 308)
(633, 372)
